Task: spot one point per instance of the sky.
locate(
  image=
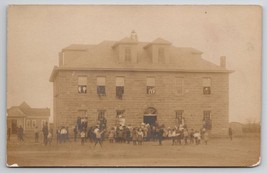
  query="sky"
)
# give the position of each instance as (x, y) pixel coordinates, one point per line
(36, 35)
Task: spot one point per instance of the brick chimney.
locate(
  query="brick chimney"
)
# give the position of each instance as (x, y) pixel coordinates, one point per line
(223, 61)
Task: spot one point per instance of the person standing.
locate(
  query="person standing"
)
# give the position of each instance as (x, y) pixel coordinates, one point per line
(36, 134)
(206, 137)
(45, 133)
(75, 131)
(82, 137)
(140, 137)
(230, 133)
(160, 135)
(98, 137)
(49, 137)
(20, 133)
(186, 136)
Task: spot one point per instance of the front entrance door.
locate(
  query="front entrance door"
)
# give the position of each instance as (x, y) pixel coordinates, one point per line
(14, 126)
(150, 116)
(150, 119)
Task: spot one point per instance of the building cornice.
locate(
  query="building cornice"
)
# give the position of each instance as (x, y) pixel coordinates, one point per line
(57, 69)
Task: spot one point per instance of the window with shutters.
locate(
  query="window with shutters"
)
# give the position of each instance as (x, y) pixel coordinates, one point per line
(82, 84)
(179, 84)
(101, 86)
(206, 83)
(150, 86)
(119, 87)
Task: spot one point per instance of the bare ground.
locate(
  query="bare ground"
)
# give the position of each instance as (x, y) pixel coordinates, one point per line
(219, 152)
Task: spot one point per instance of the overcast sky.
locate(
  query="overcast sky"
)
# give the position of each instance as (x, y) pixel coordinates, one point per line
(36, 34)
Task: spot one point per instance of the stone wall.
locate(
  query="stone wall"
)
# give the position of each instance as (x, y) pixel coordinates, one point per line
(68, 102)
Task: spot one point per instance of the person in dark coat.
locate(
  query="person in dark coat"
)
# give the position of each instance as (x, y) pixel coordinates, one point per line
(160, 135)
(75, 132)
(45, 133)
(20, 133)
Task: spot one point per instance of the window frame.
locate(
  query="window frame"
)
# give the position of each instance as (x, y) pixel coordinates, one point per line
(161, 55)
(101, 88)
(207, 119)
(150, 88)
(128, 54)
(28, 124)
(33, 124)
(206, 89)
(118, 86)
(82, 86)
(102, 115)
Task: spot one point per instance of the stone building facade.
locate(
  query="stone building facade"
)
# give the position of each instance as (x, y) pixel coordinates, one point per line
(140, 82)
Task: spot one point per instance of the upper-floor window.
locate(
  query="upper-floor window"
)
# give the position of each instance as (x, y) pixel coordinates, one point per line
(150, 85)
(128, 54)
(161, 55)
(101, 86)
(206, 83)
(207, 124)
(119, 87)
(82, 84)
(179, 83)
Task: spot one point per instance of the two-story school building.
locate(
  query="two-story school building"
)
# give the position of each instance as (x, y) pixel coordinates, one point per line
(141, 81)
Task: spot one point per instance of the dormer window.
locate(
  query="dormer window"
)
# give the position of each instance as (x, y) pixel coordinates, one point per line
(161, 55)
(128, 52)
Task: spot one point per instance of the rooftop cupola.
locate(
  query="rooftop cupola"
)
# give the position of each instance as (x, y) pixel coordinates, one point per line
(134, 36)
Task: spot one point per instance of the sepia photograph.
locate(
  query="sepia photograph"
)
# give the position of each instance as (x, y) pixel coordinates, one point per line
(133, 85)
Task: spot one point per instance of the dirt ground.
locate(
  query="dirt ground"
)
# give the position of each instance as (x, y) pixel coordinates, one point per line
(219, 152)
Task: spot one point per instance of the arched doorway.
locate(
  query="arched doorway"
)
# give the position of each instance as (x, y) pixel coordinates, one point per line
(150, 116)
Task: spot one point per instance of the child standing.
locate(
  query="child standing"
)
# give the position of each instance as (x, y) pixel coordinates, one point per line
(206, 137)
(82, 137)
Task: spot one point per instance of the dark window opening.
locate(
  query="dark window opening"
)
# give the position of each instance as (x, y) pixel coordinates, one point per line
(206, 90)
(101, 90)
(82, 89)
(119, 91)
(207, 123)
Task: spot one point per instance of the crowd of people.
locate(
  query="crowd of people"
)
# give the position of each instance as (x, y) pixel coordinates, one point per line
(122, 133)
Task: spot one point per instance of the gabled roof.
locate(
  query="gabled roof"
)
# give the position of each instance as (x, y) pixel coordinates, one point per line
(15, 112)
(125, 40)
(158, 41)
(24, 110)
(103, 56)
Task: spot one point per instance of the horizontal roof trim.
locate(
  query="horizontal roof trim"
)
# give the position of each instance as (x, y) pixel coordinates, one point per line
(56, 69)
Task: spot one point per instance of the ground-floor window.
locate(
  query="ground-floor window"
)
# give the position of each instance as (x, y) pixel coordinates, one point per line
(82, 121)
(102, 121)
(180, 120)
(33, 123)
(207, 123)
(120, 116)
(28, 124)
